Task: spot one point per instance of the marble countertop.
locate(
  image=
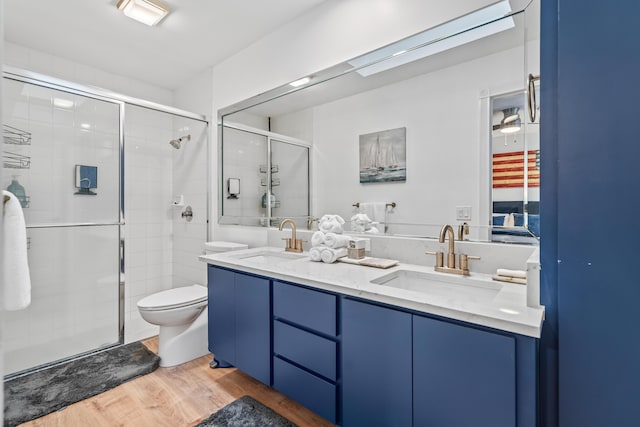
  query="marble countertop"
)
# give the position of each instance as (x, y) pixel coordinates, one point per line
(474, 299)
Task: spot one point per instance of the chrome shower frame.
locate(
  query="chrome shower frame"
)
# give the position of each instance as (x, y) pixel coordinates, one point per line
(38, 79)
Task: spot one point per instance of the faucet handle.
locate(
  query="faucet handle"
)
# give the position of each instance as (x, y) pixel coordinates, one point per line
(439, 257)
(464, 261)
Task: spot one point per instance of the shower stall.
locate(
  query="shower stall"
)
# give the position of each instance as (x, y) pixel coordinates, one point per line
(66, 152)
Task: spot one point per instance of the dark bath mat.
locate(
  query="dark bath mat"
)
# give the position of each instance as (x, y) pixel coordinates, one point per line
(34, 395)
(246, 412)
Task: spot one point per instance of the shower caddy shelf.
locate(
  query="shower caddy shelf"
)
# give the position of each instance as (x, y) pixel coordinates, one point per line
(274, 181)
(15, 136)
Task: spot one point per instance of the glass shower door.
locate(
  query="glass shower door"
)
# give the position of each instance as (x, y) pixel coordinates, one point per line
(69, 180)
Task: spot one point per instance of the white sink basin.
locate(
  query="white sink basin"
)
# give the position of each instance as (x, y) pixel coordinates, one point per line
(458, 287)
(271, 256)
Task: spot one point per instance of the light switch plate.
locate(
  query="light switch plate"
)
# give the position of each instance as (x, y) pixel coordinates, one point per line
(463, 213)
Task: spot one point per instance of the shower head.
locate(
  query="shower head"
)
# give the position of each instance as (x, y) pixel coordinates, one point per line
(175, 143)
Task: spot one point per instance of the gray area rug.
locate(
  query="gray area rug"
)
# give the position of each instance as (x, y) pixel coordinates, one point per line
(34, 395)
(246, 412)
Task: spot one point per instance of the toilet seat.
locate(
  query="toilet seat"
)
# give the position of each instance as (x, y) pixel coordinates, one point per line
(174, 298)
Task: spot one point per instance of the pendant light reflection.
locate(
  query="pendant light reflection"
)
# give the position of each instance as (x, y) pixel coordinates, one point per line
(511, 122)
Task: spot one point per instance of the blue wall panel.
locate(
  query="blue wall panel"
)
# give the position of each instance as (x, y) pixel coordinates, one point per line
(598, 147)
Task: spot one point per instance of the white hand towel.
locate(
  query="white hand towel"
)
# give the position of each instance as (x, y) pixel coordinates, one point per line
(330, 255)
(315, 254)
(512, 273)
(375, 211)
(509, 221)
(336, 241)
(317, 238)
(17, 281)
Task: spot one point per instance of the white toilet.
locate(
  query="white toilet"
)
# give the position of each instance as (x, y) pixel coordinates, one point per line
(182, 315)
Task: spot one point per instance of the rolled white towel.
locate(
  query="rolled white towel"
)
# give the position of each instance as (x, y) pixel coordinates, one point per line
(315, 254)
(336, 241)
(512, 273)
(317, 238)
(330, 255)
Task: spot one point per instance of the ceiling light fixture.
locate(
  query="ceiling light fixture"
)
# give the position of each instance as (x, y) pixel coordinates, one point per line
(149, 12)
(511, 121)
(62, 102)
(300, 82)
(474, 26)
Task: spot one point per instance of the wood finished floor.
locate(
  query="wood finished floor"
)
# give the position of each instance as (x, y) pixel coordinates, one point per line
(177, 396)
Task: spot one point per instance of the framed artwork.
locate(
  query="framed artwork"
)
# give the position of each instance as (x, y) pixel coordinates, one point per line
(383, 156)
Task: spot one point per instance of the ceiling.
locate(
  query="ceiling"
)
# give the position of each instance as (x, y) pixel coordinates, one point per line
(196, 35)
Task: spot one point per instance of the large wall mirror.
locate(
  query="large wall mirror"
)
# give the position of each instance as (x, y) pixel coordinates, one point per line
(406, 134)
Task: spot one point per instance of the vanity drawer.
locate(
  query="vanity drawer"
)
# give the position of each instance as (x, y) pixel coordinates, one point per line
(305, 388)
(305, 307)
(304, 348)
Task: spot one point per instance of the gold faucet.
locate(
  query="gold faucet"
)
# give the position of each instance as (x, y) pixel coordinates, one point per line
(293, 244)
(447, 231)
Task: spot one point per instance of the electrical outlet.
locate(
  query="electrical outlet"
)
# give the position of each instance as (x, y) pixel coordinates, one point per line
(463, 213)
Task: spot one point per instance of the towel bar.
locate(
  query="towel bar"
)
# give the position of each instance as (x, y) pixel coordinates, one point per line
(389, 205)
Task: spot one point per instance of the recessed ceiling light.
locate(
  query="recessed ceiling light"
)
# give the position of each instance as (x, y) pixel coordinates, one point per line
(302, 81)
(62, 102)
(85, 126)
(149, 12)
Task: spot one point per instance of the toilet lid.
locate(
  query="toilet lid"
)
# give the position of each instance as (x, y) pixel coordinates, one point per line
(174, 298)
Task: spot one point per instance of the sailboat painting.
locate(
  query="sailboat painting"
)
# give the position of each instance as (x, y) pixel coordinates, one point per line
(383, 156)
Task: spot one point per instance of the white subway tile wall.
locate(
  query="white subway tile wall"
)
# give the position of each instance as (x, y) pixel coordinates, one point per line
(161, 247)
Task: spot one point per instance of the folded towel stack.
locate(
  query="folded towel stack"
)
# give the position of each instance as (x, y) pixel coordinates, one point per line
(512, 273)
(329, 244)
(511, 276)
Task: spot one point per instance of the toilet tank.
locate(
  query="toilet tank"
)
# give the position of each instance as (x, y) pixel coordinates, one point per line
(220, 246)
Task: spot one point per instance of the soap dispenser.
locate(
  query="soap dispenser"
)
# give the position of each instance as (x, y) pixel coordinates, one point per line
(271, 196)
(18, 191)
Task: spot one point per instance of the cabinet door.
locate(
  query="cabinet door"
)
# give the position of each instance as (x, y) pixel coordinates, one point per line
(376, 365)
(222, 319)
(253, 329)
(462, 376)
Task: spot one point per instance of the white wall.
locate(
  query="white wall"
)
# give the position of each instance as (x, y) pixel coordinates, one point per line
(55, 66)
(329, 34)
(191, 179)
(441, 114)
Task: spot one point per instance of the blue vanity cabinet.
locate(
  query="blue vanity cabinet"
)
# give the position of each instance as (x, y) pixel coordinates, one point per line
(376, 365)
(462, 376)
(240, 321)
(305, 347)
(222, 315)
